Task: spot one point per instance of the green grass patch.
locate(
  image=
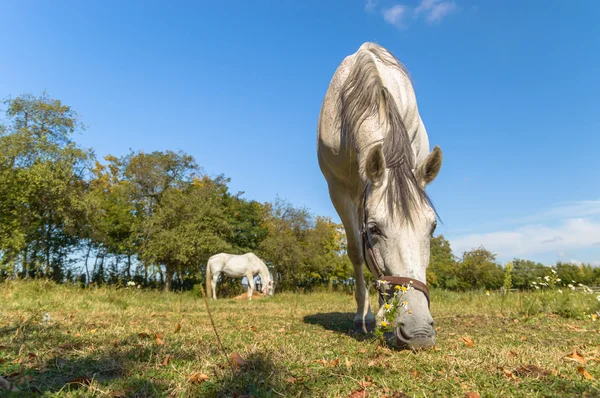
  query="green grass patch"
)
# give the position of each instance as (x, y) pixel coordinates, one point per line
(66, 341)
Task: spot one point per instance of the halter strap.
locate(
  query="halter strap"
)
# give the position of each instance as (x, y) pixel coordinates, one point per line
(392, 281)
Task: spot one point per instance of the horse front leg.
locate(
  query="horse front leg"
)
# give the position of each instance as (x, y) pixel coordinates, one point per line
(364, 320)
(250, 285)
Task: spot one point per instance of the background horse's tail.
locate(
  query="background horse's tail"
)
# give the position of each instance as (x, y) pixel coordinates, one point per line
(208, 280)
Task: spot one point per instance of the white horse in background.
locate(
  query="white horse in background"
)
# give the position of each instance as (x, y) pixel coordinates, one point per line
(237, 266)
(373, 151)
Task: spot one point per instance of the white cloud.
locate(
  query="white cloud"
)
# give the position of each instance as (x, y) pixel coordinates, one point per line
(394, 15)
(435, 10)
(581, 209)
(569, 235)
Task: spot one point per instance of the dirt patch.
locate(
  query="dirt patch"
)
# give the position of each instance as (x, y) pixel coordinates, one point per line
(255, 296)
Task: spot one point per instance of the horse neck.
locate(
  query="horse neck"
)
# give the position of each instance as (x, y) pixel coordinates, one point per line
(264, 274)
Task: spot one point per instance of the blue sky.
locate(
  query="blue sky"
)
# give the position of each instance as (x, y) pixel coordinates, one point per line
(508, 90)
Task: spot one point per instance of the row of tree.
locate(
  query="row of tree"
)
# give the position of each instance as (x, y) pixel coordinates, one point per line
(479, 269)
(156, 218)
(153, 217)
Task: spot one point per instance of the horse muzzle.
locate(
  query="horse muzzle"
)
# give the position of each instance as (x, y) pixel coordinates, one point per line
(415, 336)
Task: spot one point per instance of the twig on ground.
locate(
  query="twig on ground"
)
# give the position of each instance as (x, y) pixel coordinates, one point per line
(221, 347)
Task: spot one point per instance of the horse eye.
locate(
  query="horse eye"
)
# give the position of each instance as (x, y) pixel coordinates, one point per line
(374, 229)
(433, 228)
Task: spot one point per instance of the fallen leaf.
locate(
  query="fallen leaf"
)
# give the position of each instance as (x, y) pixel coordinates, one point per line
(159, 339)
(237, 360)
(371, 363)
(167, 359)
(516, 321)
(197, 378)
(143, 335)
(358, 394)
(415, 373)
(31, 356)
(468, 342)
(581, 370)
(290, 380)
(348, 363)
(509, 374)
(531, 371)
(472, 394)
(365, 384)
(523, 338)
(80, 380)
(25, 379)
(363, 351)
(177, 327)
(575, 356)
(513, 353)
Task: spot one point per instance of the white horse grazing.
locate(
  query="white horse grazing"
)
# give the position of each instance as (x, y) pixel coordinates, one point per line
(237, 266)
(373, 151)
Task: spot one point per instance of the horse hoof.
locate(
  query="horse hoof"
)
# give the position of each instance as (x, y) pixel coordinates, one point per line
(364, 326)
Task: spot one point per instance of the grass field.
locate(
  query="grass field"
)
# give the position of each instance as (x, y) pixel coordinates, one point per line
(65, 341)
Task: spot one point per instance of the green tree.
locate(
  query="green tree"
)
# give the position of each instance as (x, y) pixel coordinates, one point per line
(443, 269)
(185, 230)
(42, 186)
(525, 272)
(479, 269)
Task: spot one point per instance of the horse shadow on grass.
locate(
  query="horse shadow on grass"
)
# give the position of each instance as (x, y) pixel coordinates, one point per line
(259, 377)
(339, 322)
(59, 371)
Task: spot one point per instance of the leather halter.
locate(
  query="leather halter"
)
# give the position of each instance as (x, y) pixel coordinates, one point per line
(390, 281)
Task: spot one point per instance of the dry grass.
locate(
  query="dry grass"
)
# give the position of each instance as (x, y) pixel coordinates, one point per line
(132, 343)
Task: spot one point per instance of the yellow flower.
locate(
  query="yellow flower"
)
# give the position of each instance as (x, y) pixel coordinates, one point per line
(409, 312)
(387, 306)
(404, 303)
(397, 287)
(404, 288)
(487, 292)
(384, 323)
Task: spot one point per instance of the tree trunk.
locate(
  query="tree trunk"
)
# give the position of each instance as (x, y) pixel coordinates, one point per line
(47, 251)
(87, 270)
(25, 265)
(168, 278)
(129, 266)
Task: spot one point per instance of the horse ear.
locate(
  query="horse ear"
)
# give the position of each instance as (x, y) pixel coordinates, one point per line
(375, 164)
(430, 167)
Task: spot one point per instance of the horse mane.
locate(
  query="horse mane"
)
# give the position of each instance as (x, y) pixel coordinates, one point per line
(363, 95)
